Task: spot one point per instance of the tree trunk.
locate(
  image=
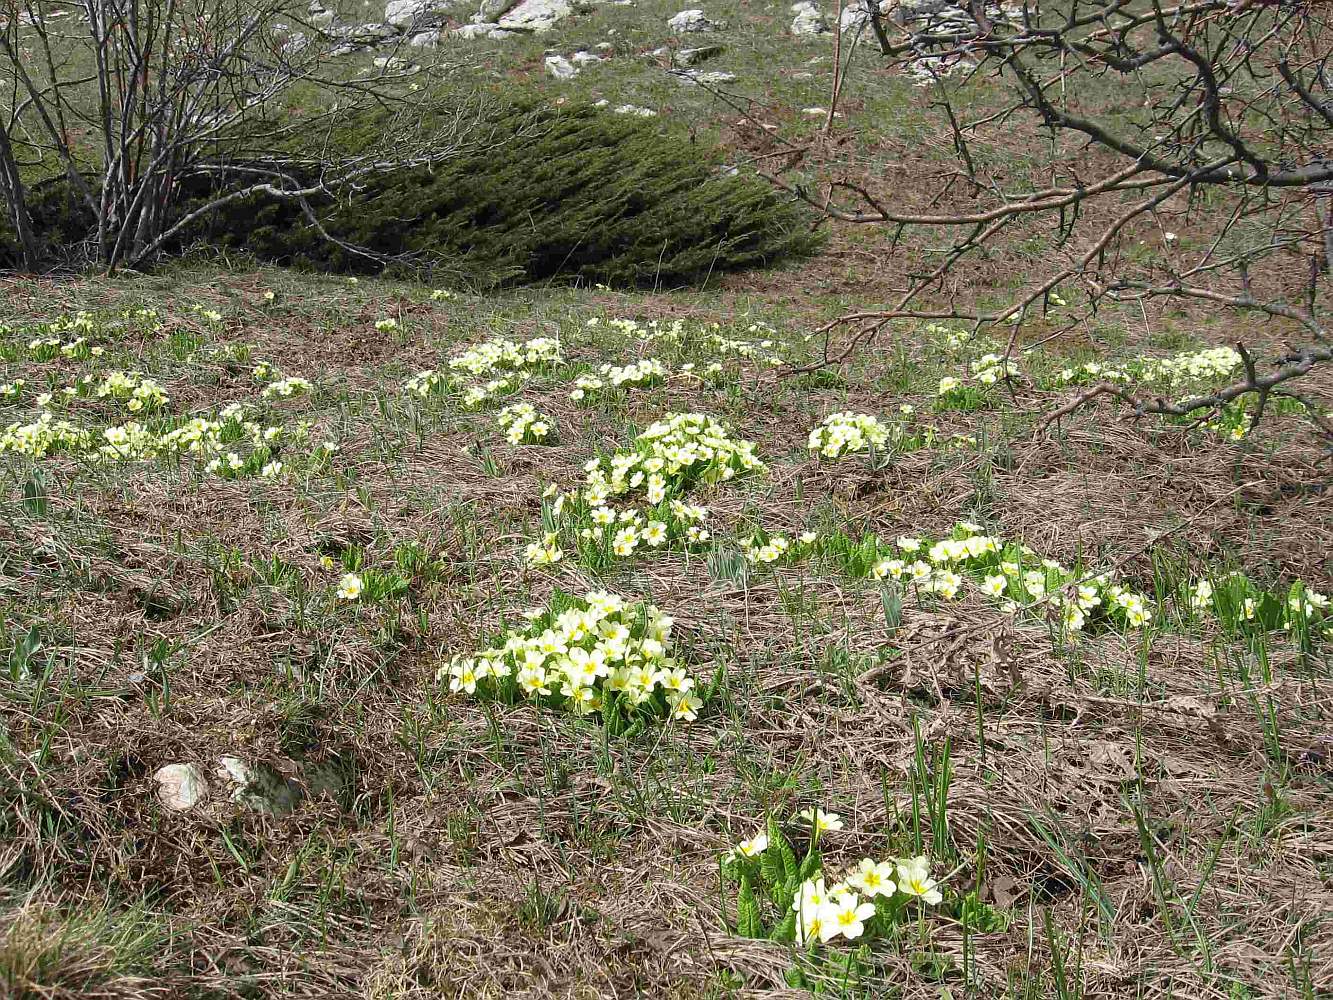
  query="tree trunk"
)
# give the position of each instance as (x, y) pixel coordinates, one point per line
(16, 201)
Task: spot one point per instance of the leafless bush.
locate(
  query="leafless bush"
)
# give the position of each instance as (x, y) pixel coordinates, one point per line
(130, 98)
(1214, 112)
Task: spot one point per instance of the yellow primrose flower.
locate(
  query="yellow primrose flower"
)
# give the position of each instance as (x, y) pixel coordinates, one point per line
(874, 878)
(820, 821)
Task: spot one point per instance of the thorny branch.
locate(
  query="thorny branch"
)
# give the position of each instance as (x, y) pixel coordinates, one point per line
(1222, 118)
(183, 90)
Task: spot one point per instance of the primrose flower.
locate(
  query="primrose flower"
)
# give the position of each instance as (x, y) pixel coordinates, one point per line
(820, 821)
(994, 586)
(874, 878)
(684, 705)
(349, 587)
(753, 847)
(914, 880)
(846, 917)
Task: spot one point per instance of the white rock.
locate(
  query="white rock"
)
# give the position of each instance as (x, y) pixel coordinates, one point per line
(536, 15)
(260, 788)
(405, 14)
(181, 786)
(692, 57)
(561, 68)
(712, 78)
(583, 58)
(474, 30)
(809, 22)
(857, 13)
(425, 40)
(492, 10)
(321, 18)
(690, 21)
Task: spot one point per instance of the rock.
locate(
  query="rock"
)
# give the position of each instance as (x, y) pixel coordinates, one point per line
(536, 15)
(713, 78)
(857, 13)
(405, 13)
(561, 68)
(181, 786)
(691, 21)
(318, 16)
(425, 40)
(258, 786)
(325, 779)
(693, 57)
(475, 30)
(492, 10)
(809, 22)
(583, 58)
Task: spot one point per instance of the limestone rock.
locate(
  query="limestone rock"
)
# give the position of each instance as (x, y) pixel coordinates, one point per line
(258, 786)
(492, 10)
(690, 22)
(809, 22)
(713, 78)
(561, 68)
(536, 15)
(693, 57)
(181, 786)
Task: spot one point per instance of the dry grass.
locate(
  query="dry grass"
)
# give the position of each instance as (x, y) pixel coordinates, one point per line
(472, 850)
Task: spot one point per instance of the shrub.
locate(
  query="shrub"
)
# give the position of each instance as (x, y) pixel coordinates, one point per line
(544, 192)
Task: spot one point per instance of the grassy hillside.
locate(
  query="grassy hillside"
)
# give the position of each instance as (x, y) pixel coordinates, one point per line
(271, 522)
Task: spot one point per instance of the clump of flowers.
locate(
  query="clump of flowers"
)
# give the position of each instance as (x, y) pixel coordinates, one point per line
(991, 368)
(767, 548)
(285, 388)
(427, 383)
(846, 432)
(595, 653)
(1092, 371)
(43, 437)
(971, 391)
(1187, 367)
(136, 392)
(475, 396)
(950, 339)
(670, 457)
(1001, 570)
(784, 899)
(522, 424)
(1184, 368)
(500, 354)
(1242, 607)
(544, 553)
(638, 375)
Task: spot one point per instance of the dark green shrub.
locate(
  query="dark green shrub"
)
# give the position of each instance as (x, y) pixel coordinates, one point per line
(571, 192)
